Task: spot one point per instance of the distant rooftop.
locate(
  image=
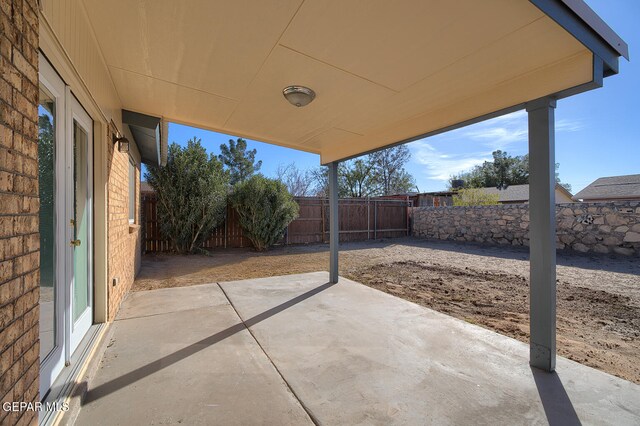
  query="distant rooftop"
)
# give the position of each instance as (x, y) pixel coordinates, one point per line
(612, 187)
(517, 193)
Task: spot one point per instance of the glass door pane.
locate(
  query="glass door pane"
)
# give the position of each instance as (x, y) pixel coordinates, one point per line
(47, 224)
(81, 222)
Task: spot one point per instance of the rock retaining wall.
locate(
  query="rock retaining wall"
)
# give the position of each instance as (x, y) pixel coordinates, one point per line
(583, 227)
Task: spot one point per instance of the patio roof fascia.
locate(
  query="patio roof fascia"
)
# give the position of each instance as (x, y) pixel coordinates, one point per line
(596, 82)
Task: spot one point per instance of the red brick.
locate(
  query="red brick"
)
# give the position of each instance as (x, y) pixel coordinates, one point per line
(17, 13)
(10, 203)
(24, 263)
(30, 91)
(26, 302)
(30, 14)
(6, 315)
(25, 224)
(22, 65)
(7, 181)
(11, 247)
(10, 291)
(30, 204)
(6, 360)
(9, 335)
(23, 343)
(5, 44)
(30, 127)
(5, 6)
(6, 135)
(32, 279)
(10, 73)
(11, 162)
(12, 417)
(31, 243)
(6, 270)
(32, 392)
(6, 91)
(31, 318)
(9, 30)
(17, 121)
(17, 142)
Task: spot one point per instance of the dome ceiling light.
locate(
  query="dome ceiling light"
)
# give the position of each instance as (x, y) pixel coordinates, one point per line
(299, 95)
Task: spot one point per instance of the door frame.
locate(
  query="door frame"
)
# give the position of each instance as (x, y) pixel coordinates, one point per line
(55, 360)
(76, 330)
(68, 333)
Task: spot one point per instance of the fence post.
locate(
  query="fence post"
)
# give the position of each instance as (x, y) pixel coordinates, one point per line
(322, 217)
(407, 208)
(226, 232)
(375, 219)
(368, 218)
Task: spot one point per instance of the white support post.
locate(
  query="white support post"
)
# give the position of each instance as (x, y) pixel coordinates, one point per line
(542, 232)
(334, 231)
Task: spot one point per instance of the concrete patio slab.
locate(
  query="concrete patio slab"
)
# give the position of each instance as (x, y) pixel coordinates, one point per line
(354, 355)
(182, 355)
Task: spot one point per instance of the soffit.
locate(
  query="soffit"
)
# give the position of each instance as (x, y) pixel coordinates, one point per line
(383, 71)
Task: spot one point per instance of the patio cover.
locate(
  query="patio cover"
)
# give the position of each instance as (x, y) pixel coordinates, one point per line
(384, 71)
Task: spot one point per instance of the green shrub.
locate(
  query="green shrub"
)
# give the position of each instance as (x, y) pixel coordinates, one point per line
(191, 191)
(474, 197)
(265, 208)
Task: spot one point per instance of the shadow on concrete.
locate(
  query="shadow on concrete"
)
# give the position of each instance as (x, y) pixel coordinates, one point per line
(557, 405)
(166, 361)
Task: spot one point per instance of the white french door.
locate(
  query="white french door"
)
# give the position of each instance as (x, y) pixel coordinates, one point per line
(79, 211)
(51, 187)
(65, 172)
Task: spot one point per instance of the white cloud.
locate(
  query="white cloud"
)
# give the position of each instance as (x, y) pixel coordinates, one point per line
(440, 166)
(565, 125)
(499, 133)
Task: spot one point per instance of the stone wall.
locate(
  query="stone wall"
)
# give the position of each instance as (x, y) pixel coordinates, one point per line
(124, 239)
(583, 227)
(19, 208)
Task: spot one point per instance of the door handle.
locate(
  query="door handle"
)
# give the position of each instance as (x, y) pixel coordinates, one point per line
(74, 243)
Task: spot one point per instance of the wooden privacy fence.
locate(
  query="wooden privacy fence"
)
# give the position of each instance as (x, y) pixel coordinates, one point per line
(359, 218)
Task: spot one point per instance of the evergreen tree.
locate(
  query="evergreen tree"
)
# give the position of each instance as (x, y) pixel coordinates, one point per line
(191, 191)
(241, 164)
(503, 171)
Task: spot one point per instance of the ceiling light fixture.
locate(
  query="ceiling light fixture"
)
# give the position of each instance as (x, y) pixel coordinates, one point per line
(299, 95)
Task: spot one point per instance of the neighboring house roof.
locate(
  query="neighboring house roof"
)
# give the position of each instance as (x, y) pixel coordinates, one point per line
(145, 187)
(612, 187)
(518, 193)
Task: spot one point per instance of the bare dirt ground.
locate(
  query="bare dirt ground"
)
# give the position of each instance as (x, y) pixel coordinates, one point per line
(598, 315)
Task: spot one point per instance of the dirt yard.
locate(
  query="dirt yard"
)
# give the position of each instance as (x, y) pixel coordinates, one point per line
(598, 297)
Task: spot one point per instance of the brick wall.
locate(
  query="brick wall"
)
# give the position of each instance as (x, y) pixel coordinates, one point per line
(19, 207)
(124, 241)
(583, 227)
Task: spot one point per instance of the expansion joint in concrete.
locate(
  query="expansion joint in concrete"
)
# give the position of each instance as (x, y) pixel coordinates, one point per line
(312, 417)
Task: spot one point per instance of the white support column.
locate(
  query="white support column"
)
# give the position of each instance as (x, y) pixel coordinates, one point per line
(333, 222)
(542, 232)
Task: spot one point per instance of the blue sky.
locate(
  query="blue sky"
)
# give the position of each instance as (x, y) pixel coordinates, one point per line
(597, 132)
